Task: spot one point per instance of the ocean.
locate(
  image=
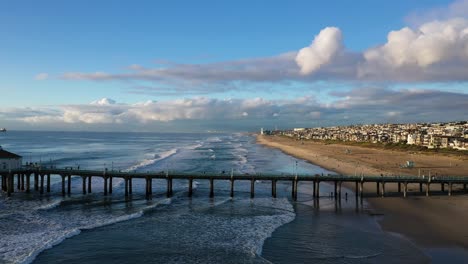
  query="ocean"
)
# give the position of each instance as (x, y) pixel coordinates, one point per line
(93, 228)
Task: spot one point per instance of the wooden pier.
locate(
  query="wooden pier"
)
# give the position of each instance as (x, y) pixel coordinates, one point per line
(42, 182)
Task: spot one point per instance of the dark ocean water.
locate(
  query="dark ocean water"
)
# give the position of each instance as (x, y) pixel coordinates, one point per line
(181, 229)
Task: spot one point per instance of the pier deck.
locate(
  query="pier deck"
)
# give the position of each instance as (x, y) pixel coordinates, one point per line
(42, 178)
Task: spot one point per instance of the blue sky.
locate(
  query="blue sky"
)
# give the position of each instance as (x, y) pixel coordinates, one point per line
(62, 55)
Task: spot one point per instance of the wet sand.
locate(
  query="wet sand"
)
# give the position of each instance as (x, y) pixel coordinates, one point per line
(437, 221)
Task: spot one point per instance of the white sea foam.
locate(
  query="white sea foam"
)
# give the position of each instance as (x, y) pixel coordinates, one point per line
(157, 157)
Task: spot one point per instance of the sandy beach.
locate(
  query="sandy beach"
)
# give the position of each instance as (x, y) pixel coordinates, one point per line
(435, 221)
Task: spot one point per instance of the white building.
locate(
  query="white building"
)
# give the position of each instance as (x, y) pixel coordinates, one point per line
(411, 140)
(9, 160)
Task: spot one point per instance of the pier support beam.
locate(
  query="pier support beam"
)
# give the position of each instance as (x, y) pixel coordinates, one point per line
(10, 185)
(169, 187)
(126, 186)
(90, 178)
(314, 186)
(442, 187)
(317, 193)
(150, 181)
(378, 188)
(450, 189)
(273, 188)
(110, 184)
(428, 188)
(190, 187)
(356, 190)
(383, 189)
(211, 187)
(336, 189)
(130, 185)
(69, 184)
(22, 181)
(147, 190)
(105, 186)
(84, 184)
(420, 188)
(42, 184)
(63, 185)
(405, 189)
(252, 188)
(36, 182)
(232, 188)
(3, 182)
(296, 182)
(399, 187)
(48, 182)
(28, 183)
(18, 184)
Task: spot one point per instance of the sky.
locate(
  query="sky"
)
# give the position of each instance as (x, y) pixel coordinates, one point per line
(197, 66)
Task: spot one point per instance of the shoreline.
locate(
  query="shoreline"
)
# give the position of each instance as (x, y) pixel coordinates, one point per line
(430, 222)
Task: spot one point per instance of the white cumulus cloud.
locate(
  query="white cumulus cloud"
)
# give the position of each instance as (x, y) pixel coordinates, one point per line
(322, 50)
(421, 53)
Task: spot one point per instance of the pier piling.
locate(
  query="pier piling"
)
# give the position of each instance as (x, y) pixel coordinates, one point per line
(10, 184)
(130, 185)
(89, 184)
(190, 186)
(22, 181)
(69, 184)
(296, 182)
(48, 182)
(405, 189)
(151, 188)
(63, 185)
(84, 184)
(28, 183)
(231, 194)
(273, 188)
(169, 187)
(126, 186)
(211, 188)
(252, 188)
(110, 185)
(318, 190)
(428, 187)
(105, 186)
(36, 182)
(42, 184)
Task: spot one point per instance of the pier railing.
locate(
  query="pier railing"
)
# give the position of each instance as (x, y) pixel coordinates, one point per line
(42, 179)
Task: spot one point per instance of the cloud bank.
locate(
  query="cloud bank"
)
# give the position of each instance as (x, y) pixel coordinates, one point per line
(356, 105)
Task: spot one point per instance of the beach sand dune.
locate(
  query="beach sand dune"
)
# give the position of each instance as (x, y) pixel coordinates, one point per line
(435, 221)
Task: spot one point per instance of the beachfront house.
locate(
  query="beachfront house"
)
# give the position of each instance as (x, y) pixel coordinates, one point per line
(9, 161)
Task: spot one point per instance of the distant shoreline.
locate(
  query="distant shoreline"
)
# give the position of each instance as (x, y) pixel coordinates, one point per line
(434, 221)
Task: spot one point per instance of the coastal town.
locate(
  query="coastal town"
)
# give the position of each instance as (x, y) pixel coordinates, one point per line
(452, 135)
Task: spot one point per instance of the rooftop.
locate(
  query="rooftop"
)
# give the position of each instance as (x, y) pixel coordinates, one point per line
(8, 155)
